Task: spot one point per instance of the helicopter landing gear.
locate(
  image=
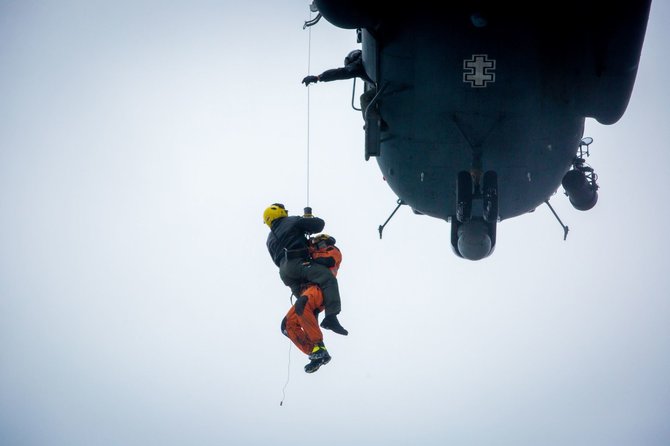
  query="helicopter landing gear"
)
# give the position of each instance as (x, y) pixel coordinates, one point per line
(469, 190)
(490, 197)
(580, 182)
(464, 196)
(473, 237)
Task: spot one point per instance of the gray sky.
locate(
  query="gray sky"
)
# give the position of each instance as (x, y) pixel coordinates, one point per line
(140, 143)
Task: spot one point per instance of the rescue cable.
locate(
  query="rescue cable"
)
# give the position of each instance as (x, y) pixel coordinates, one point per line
(309, 60)
(308, 24)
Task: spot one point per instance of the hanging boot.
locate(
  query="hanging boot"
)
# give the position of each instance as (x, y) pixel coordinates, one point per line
(330, 322)
(314, 364)
(318, 352)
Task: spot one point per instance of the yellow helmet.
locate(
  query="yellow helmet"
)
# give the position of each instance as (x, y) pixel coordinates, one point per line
(273, 212)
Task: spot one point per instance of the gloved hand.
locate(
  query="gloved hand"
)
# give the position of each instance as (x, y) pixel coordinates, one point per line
(300, 305)
(325, 261)
(310, 80)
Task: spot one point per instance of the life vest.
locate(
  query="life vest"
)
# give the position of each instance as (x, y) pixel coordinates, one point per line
(322, 246)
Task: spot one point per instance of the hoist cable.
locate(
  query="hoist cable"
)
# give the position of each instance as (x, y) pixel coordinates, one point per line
(309, 56)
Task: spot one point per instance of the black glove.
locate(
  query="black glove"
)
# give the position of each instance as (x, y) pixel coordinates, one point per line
(325, 261)
(310, 80)
(300, 305)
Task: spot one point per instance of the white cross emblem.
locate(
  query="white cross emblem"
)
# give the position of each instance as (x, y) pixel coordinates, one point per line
(479, 70)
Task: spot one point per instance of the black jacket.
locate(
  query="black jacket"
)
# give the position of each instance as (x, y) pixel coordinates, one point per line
(350, 70)
(288, 233)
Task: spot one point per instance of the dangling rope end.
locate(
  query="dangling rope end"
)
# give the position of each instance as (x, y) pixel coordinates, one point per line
(288, 375)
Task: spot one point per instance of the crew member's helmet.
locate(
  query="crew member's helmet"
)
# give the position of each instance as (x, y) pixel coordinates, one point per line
(352, 56)
(273, 212)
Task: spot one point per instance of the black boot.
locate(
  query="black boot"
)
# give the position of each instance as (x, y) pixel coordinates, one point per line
(314, 364)
(330, 322)
(318, 352)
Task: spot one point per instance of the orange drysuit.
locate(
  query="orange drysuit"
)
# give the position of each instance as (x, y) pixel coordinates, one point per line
(304, 329)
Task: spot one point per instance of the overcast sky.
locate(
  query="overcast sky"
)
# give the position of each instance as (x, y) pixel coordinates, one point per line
(139, 144)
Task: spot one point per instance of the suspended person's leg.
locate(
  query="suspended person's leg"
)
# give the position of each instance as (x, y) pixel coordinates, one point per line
(308, 320)
(323, 277)
(307, 312)
(290, 273)
(308, 315)
(292, 329)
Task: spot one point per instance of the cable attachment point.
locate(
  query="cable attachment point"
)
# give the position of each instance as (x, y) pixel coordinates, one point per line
(314, 21)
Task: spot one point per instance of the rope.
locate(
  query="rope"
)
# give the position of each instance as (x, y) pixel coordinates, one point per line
(288, 375)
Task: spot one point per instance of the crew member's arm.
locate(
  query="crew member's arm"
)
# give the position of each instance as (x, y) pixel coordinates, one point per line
(311, 225)
(335, 74)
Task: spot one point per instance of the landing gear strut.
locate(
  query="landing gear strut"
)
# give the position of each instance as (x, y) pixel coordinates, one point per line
(580, 182)
(473, 236)
(464, 192)
(490, 197)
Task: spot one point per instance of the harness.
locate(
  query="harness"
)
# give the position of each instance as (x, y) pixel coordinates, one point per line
(301, 253)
